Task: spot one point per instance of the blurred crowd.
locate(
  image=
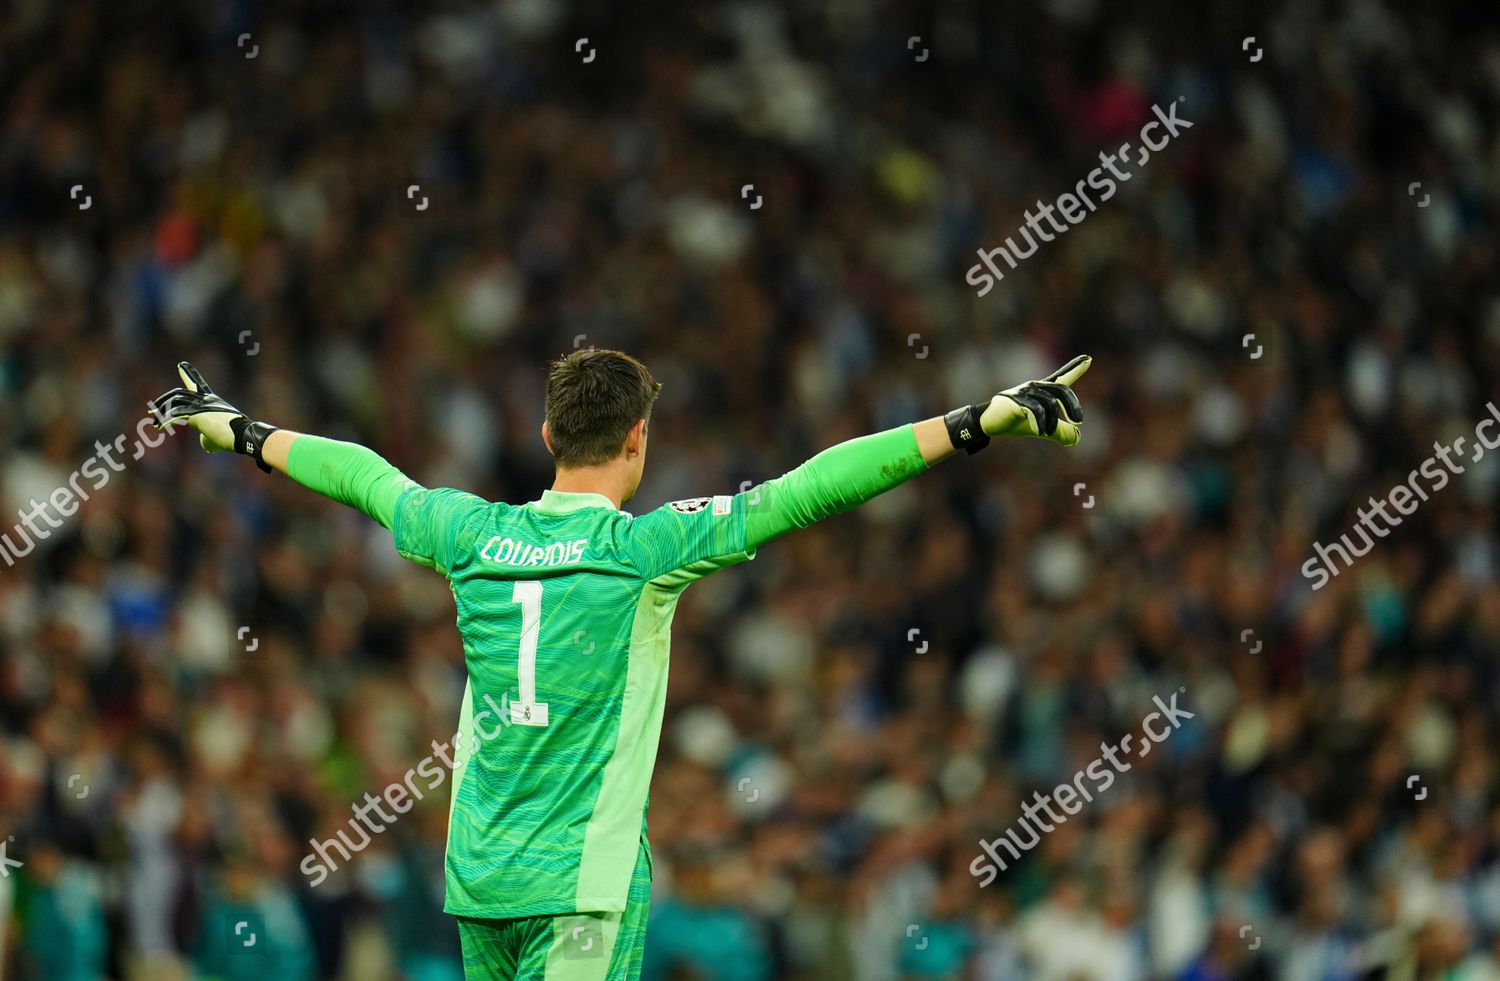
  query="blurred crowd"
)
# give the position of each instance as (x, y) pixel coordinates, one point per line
(378, 221)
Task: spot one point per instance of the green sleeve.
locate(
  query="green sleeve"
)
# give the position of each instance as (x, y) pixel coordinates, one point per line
(348, 473)
(839, 478)
(430, 525)
(686, 540)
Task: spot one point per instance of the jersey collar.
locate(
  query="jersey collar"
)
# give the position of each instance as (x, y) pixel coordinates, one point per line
(564, 502)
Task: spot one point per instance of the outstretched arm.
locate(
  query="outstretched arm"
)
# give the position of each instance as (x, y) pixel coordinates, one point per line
(347, 472)
(847, 475)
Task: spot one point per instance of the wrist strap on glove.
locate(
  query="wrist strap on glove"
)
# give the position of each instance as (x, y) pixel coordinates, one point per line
(964, 429)
(250, 439)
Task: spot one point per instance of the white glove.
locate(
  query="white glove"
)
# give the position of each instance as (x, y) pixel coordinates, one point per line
(1046, 409)
(220, 426)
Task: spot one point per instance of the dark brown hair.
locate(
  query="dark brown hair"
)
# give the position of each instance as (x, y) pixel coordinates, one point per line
(593, 398)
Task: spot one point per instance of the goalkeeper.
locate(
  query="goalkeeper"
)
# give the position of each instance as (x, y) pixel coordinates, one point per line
(568, 600)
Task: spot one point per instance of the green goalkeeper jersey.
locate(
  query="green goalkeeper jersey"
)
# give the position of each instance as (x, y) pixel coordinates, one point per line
(565, 606)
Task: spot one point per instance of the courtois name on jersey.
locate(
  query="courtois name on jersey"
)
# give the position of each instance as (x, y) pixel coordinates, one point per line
(509, 551)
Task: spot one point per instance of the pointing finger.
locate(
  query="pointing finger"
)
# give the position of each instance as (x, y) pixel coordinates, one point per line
(192, 380)
(1072, 371)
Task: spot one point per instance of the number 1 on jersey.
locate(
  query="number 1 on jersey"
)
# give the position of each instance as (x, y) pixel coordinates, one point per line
(528, 711)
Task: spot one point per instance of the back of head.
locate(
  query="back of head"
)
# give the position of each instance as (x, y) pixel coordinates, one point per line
(593, 400)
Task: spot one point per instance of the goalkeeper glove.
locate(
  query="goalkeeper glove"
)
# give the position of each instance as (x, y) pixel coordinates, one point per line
(1046, 409)
(220, 426)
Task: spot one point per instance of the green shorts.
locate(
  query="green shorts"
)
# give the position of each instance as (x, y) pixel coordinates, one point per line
(571, 947)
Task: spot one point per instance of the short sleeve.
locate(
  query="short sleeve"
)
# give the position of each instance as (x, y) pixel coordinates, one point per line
(691, 538)
(428, 523)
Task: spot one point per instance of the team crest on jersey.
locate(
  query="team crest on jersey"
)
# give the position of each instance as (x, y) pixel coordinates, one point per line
(690, 506)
